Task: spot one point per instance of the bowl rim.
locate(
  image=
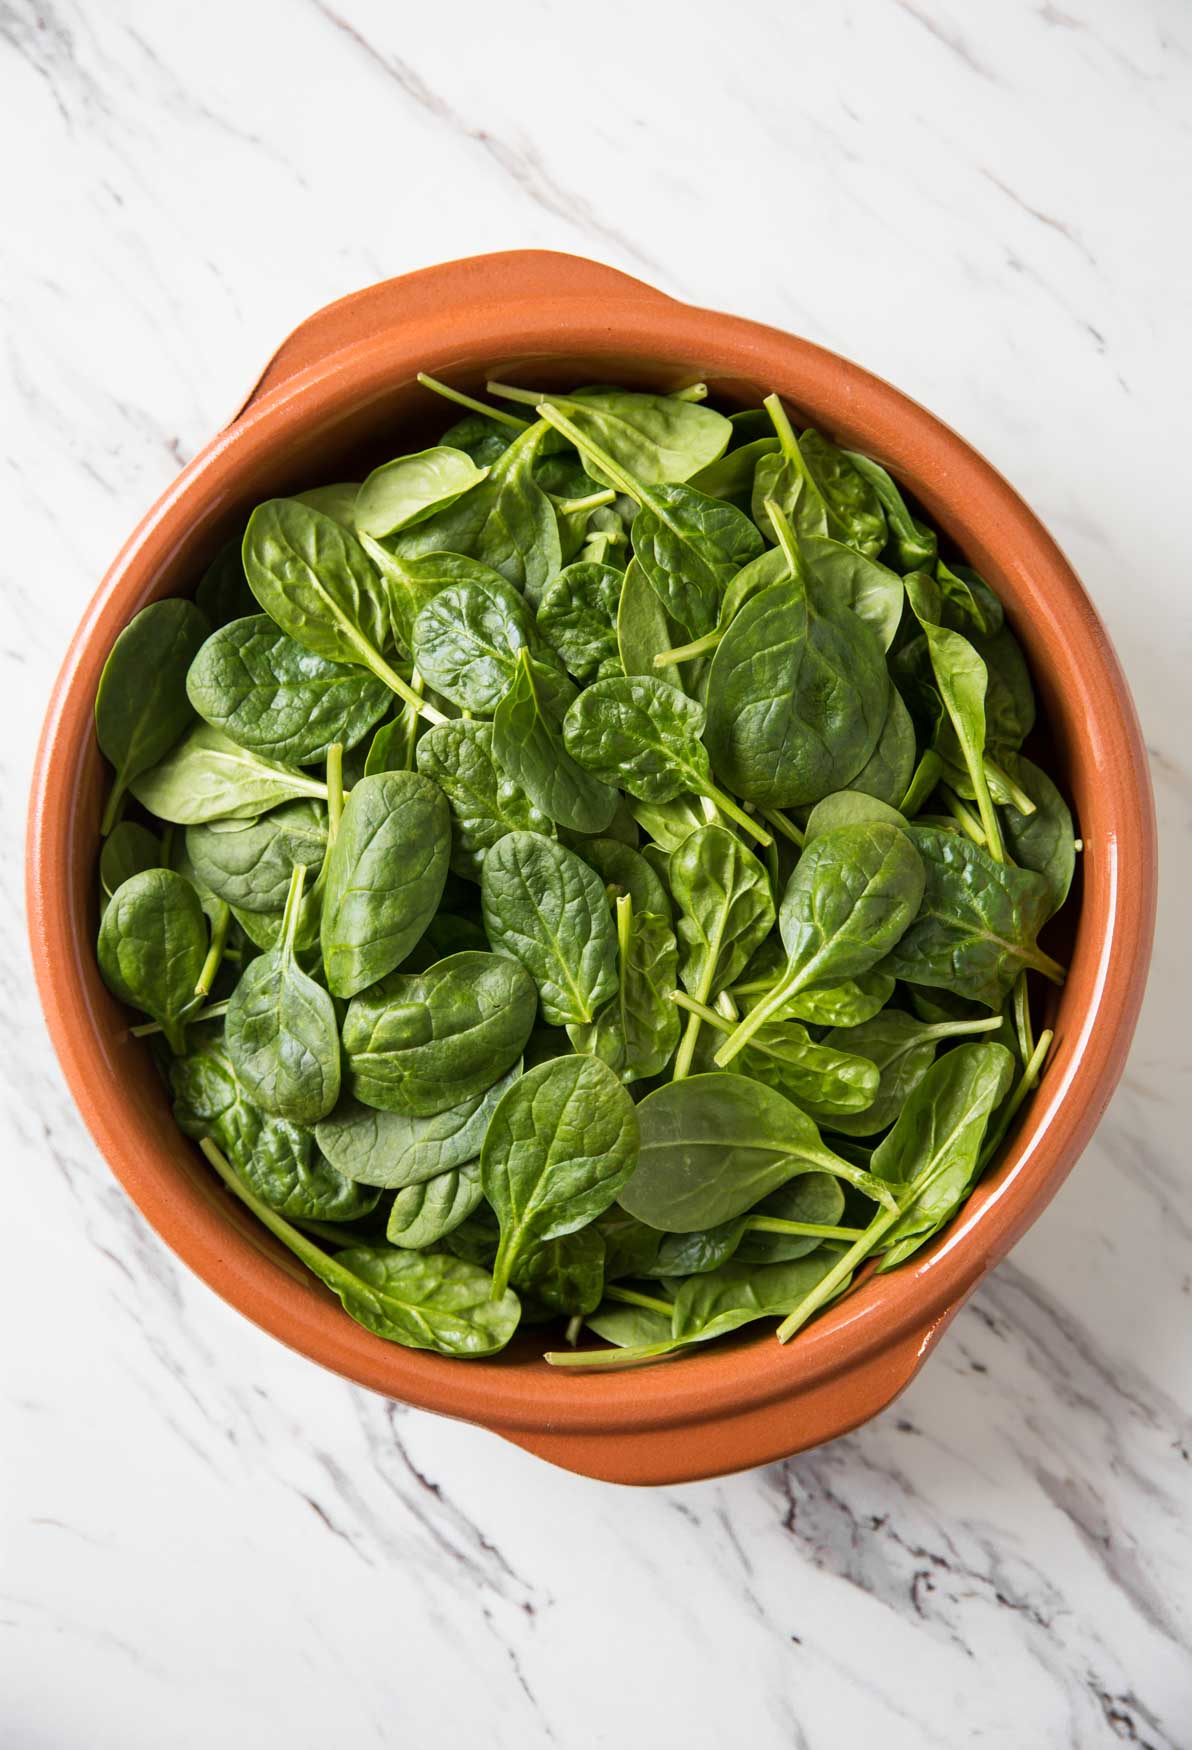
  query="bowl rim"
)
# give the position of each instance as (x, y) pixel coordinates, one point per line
(1000, 535)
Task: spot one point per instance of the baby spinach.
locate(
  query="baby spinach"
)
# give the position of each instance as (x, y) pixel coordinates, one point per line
(281, 1029)
(394, 1149)
(637, 1030)
(546, 908)
(152, 946)
(485, 802)
(423, 1214)
(210, 777)
(975, 930)
(561, 1144)
(529, 748)
(279, 699)
(645, 735)
(687, 544)
(408, 490)
(713, 1145)
(852, 896)
(420, 1042)
(141, 706)
(424, 1300)
(625, 638)
(385, 877)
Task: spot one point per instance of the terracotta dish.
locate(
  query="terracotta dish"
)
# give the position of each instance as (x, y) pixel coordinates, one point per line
(340, 395)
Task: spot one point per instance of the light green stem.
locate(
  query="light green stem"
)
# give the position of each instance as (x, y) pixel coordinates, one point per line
(219, 939)
(620, 477)
(631, 1297)
(843, 1268)
(335, 789)
(469, 401)
(778, 820)
(687, 652)
(745, 821)
(962, 816)
(594, 501)
(396, 684)
(923, 781)
(212, 1012)
(524, 397)
(692, 392)
(772, 1224)
(1022, 1088)
(1015, 792)
(1022, 1019)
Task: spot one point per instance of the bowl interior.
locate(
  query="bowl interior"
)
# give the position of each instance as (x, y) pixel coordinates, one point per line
(338, 427)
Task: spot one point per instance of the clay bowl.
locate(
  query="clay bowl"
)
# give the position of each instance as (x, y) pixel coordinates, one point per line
(339, 395)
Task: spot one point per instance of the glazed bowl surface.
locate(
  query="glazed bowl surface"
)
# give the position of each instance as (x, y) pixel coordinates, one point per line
(340, 395)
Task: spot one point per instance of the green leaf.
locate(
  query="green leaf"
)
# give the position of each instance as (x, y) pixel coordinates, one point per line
(903, 1049)
(467, 640)
(561, 1144)
(636, 1032)
(281, 1030)
(273, 696)
(412, 488)
(578, 616)
(141, 707)
(1044, 841)
(423, 1214)
(528, 747)
(152, 945)
(393, 1149)
(624, 870)
(723, 1300)
(421, 1042)
(658, 438)
(546, 908)
(713, 1145)
(210, 777)
(250, 868)
(566, 1274)
(385, 877)
(128, 850)
(485, 802)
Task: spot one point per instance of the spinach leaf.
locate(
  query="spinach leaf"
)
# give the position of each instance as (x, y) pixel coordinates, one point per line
(277, 1159)
(141, 707)
(279, 699)
(528, 747)
(932, 1154)
(723, 1300)
(385, 877)
(315, 581)
(669, 823)
(420, 1042)
(645, 736)
(814, 1200)
(975, 930)
(152, 946)
(797, 696)
(507, 521)
(485, 803)
(547, 909)
(578, 617)
(659, 438)
(250, 868)
(624, 870)
(398, 494)
(888, 771)
(636, 1032)
(731, 475)
(423, 1214)
(871, 590)
(726, 911)
(850, 899)
(281, 1030)
(467, 640)
(643, 631)
(337, 501)
(1045, 840)
(565, 1274)
(561, 1144)
(210, 777)
(713, 1145)
(848, 808)
(424, 1300)
(903, 1049)
(393, 1149)
(630, 1247)
(910, 544)
(128, 850)
(223, 593)
(687, 544)
(966, 601)
(853, 506)
(783, 478)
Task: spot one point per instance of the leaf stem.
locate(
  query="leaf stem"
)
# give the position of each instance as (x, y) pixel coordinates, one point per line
(631, 1297)
(621, 479)
(293, 910)
(687, 652)
(524, 397)
(396, 684)
(685, 1055)
(924, 779)
(787, 540)
(608, 1359)
(1017, 795)
(593, 501)
(692, 392)
(468, 401)
(323, 1266)
(963, 816)
(335, 789)
(212, 1012)
(745, 821)
(778, 820)
(773, 1224)
(1018, 1094)
(1022, 1019)
(219, 940)
(843, 1268)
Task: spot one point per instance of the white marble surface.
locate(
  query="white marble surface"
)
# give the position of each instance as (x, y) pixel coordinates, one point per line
(204, 1539)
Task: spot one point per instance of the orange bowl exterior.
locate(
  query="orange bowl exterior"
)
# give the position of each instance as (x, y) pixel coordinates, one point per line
(339, 392)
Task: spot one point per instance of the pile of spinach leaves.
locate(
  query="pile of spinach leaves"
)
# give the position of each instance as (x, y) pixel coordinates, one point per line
(587, 871)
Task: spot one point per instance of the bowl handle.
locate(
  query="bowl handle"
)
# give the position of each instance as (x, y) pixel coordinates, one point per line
(504, 278)
(777, 1430)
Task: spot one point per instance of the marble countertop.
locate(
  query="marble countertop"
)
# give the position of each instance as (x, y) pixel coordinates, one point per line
(203, 1538)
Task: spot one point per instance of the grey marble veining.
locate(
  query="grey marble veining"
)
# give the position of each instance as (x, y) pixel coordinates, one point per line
(203, 1539)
